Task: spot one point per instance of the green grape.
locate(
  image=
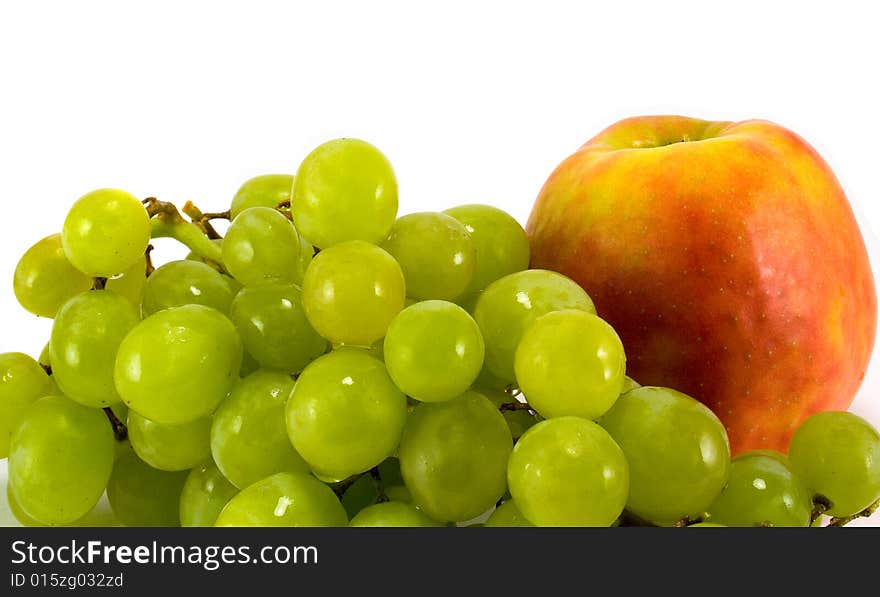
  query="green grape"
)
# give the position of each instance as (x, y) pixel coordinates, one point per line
(398, 493)
(142, 496)
(360, 494)
(392, 514)
(22, 382)
(344, 190)
(249, 437)
(435, 253)
(518, 421)
(570, 363)
(130, 283)
(178, 364)
(509, 306)
(267, 190)
(105, 232)
(262, 247)
(274, 328)
(677, 450)
(179, 283)
(433, 351)
(96, 517)
(629, 384)
(284, 500)
(60, 459)
(837, 455)
(86, 334)
(170, 447)
(453, 456)
(501, 243)
(352, 291)
(44, 278)
(568, 472)
(345, 415)
(761, 490)
(205, 493)
(507, 515)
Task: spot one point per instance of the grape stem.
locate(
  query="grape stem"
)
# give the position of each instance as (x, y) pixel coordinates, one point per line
(149, 267)
(340, 486)
(845, 520)
(507, 406)
(166, 222)
(99, 283)
(203, 220)
(380, 488)
(120, 431)
(821, 505)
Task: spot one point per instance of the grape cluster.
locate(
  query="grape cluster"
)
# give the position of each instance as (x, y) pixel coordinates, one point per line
(327, 363)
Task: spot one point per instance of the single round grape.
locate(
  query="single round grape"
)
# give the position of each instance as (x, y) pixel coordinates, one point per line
(507, 515)
(22, 382)
(677, 451)
(453, 456)
(267, 190)
(178, 364)
(345, 415)
(179, 283)
(274, 328)
(142, 496)
(284, 500)
(568, 472)
(392, 514)
(352, 291)
(130, 283)
(86, 335)
(44, 279)
(344, 190)
(837, 455)
(105, 232)
(761, 490)
(170, 447)
(261, 247)
(60, 459)
(501, 243)
(205, 493)
(570, 362)
(509, 306)
(435, 252)
(433, 350)
(249, 437)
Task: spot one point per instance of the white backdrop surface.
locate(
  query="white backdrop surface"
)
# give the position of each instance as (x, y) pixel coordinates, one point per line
(471, 101)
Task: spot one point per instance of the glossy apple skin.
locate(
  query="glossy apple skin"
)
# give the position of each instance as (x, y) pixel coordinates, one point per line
(728, 259)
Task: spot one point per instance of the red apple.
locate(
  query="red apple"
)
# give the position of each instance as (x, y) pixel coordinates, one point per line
(727, 257)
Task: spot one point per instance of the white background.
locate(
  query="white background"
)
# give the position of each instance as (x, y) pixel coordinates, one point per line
(471, 101)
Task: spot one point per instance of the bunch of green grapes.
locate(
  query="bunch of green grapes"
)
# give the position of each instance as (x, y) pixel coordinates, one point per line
(328, 363)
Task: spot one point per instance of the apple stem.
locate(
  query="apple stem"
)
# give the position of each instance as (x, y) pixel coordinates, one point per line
(845, 520)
